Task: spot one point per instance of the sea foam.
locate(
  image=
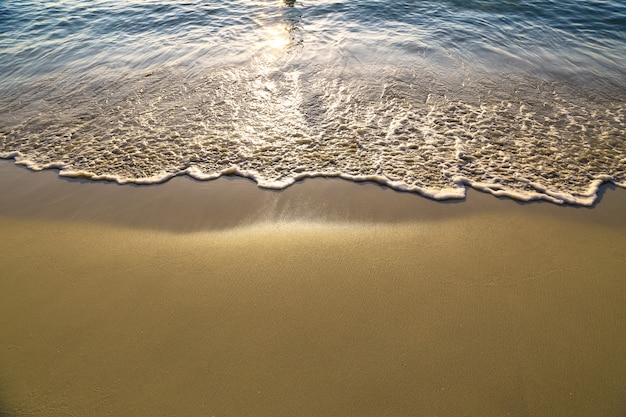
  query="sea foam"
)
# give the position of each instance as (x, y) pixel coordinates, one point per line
(432, 100)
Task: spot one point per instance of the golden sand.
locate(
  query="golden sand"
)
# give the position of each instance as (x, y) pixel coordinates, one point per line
(367, 302)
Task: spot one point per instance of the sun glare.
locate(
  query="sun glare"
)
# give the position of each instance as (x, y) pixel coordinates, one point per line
(276, 37)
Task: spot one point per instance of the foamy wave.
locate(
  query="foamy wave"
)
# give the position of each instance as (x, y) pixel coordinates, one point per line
(456, 192)
(280, 124)
(518, 100)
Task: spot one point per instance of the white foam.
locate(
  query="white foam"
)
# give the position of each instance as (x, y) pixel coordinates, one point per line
(277, 124)
(457, 192)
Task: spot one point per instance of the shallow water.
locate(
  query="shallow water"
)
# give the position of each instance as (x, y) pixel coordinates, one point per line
(519, 98)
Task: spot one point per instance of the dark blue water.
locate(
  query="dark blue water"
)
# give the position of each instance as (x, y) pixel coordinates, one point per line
(520, 98)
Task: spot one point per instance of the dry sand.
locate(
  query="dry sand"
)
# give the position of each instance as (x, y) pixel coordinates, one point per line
(327, 299)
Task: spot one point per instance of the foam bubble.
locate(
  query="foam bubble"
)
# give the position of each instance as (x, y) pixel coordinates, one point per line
(280, 122)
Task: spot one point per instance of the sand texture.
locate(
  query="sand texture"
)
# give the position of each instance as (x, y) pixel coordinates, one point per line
(326, 299)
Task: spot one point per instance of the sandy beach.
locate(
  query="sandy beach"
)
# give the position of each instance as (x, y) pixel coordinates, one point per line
(328, 299)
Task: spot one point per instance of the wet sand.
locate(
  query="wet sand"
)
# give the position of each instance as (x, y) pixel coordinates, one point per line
(329, 299)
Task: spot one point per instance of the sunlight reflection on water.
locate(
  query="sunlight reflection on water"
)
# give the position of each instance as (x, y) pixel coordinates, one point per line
(518, 98)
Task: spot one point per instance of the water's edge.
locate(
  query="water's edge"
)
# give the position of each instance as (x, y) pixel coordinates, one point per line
(588, 199)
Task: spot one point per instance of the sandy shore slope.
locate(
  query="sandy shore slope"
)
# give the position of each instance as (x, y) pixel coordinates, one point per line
(326, 299)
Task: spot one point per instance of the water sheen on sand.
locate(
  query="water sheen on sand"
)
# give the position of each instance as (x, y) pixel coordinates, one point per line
(525, 99)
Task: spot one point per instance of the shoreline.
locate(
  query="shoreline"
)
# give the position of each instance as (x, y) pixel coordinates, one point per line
(461, 187)
(329, 298)
(184, 204)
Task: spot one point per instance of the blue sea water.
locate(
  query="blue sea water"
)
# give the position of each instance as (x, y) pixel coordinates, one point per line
(519, 98)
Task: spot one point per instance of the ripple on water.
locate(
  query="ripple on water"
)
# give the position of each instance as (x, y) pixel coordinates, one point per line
(429, 97)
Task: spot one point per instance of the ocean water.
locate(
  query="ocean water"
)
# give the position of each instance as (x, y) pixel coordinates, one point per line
(523, 98)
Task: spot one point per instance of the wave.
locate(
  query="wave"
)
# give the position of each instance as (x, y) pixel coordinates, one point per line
(532, 140)
(521, 99)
